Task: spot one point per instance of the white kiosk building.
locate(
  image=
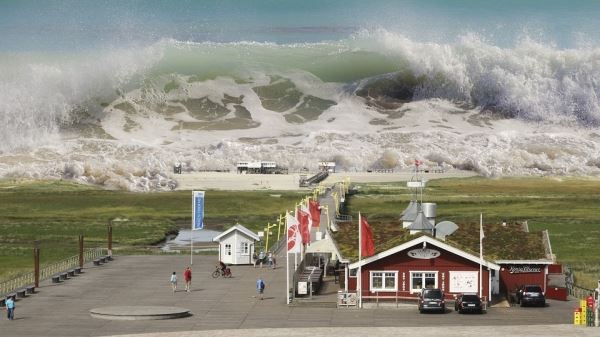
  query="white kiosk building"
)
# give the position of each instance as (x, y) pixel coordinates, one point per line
(236, 245)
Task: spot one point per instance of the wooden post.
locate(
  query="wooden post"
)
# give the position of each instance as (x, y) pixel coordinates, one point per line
(36, 262)
(110, 238)
(81, 250)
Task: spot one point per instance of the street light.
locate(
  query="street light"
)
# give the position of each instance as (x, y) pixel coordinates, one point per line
(268, 231)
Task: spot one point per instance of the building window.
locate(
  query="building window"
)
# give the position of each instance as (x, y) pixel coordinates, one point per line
(353, 272)
(384, 280)
(227, 249)
(245, 248)
(422, 279)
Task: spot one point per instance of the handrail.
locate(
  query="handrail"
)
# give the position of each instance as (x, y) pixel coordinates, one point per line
(46, 272)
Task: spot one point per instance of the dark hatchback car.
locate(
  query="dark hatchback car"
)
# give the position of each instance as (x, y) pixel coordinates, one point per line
(531, 294)
(468, 303)
(431, 300)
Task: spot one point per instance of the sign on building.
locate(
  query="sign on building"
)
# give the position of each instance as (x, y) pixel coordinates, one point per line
(464, 281)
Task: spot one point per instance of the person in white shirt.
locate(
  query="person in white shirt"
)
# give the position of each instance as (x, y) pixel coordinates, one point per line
(174, 282)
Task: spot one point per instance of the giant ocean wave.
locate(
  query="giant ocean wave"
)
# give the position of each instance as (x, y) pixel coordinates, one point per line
(121, 118)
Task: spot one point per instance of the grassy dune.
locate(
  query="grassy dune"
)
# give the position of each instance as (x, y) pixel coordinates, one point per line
(569, 208)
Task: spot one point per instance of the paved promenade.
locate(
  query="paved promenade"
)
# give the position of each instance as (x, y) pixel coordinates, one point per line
(222, 304)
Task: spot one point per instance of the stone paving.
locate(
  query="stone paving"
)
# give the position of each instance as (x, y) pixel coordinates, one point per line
(219, 305)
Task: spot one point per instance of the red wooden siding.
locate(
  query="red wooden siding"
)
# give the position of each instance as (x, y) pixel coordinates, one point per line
(404, 264)
(510, 282)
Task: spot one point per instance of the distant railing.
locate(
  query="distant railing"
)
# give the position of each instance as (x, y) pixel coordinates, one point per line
(579, 292)
(572, 289)
(46, 272)
(278, 244)
(344, 218)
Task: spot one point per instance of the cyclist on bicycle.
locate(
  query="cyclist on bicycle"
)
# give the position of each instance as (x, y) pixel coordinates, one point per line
(222, 266)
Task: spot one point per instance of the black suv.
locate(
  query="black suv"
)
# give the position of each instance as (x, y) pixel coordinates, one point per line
(468, 303)
(431, 300)
(531, 294)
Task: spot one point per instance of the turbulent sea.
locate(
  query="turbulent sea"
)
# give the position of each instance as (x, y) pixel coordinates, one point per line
(115, 93)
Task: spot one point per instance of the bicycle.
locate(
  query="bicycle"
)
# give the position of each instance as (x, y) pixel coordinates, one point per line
(218, 272)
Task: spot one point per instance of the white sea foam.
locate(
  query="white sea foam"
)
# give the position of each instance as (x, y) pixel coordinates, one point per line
(531, 110)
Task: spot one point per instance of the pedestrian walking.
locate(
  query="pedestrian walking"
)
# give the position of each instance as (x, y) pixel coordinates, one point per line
(174, 282)
(187, 276)
(10, 308)
(260, 287)
(270, 260)
(261, 257)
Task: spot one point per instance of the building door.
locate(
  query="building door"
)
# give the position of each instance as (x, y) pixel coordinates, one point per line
(227, 253)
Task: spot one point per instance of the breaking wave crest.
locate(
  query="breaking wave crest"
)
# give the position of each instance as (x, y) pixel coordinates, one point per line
(121, 118)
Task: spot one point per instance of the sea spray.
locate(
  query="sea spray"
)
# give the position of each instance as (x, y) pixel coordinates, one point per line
(122, 118)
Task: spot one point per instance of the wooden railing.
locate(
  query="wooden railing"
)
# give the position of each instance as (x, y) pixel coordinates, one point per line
(46, 272)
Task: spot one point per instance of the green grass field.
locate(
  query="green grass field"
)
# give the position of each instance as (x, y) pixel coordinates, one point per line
(569, 208)
(56, 212)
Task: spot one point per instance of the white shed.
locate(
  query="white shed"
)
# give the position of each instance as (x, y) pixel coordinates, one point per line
(236, 245)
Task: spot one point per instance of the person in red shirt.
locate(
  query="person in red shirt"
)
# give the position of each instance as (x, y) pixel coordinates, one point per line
(187, 276)
(590, 301)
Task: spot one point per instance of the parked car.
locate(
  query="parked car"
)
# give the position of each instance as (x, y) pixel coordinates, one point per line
(431, 300)
(468, 303)
(531, 294)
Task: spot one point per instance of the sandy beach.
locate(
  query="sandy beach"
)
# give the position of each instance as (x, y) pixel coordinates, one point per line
(289, 182)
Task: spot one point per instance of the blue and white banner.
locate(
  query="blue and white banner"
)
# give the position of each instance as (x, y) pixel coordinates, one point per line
(197, 210)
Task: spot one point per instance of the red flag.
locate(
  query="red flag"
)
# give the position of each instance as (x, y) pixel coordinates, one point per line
(304, 231)
(315, 213)
(367, 245)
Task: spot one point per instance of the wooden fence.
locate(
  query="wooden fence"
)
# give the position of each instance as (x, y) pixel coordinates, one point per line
(46, 272)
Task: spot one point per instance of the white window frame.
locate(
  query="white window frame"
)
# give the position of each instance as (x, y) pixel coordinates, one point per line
(245, 248)
(227, 249)
(352, 273)
(410, 275)
(383, 272)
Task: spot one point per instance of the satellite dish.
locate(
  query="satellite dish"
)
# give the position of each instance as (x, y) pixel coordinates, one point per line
(444, 229)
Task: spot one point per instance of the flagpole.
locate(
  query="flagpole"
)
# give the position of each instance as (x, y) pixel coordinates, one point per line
(192, 230)
(359, 279)
(287, 261)
(480, 254)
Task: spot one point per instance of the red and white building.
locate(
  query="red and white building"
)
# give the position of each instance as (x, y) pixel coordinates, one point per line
(424, 262)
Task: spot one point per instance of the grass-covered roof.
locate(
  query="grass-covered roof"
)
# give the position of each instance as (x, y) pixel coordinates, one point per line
(508, 242)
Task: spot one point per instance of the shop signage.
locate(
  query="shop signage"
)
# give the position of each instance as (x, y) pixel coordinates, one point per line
(423, 253)
(523, 269)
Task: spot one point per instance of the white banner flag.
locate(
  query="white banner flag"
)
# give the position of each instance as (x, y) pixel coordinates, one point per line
(294, 240)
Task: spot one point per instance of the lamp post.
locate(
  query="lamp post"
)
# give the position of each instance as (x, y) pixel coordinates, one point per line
(267, 232)
(326, 208)
(280, 221)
